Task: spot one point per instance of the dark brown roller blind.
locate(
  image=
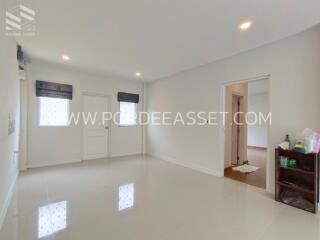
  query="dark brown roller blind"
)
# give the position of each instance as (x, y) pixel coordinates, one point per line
(128, 97)
(54, 90)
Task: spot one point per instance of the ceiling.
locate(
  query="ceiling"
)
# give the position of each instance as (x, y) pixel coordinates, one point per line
(158, 38)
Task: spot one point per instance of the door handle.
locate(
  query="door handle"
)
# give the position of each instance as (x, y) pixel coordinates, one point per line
(106, 127)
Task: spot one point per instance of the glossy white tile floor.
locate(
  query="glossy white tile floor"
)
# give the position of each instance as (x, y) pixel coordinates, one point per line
(143, 198)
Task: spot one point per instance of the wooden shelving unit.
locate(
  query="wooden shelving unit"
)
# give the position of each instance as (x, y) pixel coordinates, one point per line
(299, 186)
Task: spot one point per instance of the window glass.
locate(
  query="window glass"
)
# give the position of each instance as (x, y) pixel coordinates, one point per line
(128, 114)
(53, 111)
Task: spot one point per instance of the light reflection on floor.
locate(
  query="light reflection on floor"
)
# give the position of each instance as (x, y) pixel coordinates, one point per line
(126, 197)
(52, 218)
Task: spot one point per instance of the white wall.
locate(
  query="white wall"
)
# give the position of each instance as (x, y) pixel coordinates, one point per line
(9, 100)
(258, 133)
(50, 146)
(293, 64)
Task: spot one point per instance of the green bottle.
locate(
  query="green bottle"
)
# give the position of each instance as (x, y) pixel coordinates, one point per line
(287, 139)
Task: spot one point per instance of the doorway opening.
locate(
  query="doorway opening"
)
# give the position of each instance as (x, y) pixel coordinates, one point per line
(245, 136)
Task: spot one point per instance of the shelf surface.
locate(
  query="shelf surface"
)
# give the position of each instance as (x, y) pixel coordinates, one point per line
(297, 155)
(295, 187)
(299, 170)
(295, 206)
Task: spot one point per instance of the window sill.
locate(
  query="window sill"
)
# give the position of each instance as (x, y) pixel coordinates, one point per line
(135, 125)
(55, 126)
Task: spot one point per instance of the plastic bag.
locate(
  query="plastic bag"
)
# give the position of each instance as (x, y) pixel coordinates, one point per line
(311, 140)
(296, 199)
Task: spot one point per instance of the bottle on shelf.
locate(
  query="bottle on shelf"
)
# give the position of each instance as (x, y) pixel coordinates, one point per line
(287, 139)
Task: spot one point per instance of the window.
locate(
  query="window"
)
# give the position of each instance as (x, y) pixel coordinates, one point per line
(53, 112)
(128, 114)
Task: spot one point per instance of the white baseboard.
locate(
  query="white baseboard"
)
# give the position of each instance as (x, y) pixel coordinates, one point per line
(125, 154)
(192, 166)
(50, 164)
(7, 201)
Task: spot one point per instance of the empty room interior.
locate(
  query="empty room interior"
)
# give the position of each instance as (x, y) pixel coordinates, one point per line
(159, 120)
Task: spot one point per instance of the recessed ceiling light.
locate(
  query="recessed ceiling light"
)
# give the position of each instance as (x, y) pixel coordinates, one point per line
(65, 57)
(245, 25)
(138, 74)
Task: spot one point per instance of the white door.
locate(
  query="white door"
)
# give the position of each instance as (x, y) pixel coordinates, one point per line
(95, 130)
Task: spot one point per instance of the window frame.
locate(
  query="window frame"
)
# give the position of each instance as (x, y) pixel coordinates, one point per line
(52, 126)
(136, 112)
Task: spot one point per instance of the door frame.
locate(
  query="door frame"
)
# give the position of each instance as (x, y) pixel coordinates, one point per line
(222, 128)
(94, 94)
